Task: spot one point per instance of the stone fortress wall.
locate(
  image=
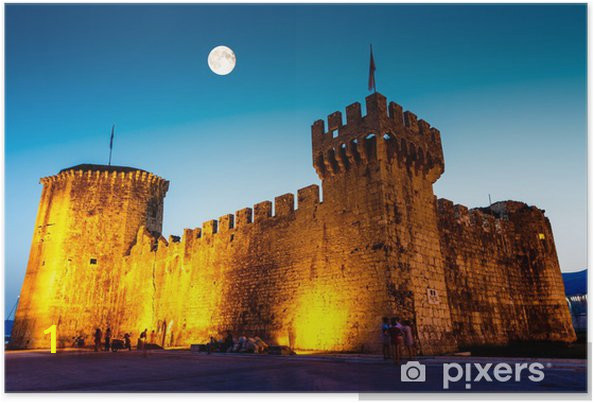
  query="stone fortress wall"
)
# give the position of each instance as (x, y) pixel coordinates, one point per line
(503, 275)
(312, 274)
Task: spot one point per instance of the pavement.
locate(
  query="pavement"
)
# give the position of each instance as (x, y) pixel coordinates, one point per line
(184, 371)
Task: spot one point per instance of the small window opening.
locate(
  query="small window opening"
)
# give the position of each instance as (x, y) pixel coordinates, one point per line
(432, 296)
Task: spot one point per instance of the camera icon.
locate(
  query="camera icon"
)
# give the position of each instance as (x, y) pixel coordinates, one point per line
(412, 371)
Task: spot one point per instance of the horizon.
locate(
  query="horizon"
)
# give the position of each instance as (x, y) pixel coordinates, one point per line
(509, 101)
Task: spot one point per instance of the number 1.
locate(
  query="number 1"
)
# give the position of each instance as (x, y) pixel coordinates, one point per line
(52, 331)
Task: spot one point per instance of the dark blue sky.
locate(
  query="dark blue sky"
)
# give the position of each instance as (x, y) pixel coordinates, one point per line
(506, 85)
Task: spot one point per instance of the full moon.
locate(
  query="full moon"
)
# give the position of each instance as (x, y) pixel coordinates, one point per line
(221, 60)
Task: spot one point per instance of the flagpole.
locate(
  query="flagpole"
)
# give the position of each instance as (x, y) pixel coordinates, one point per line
(371, 50)
(111, 144)
(371, 83)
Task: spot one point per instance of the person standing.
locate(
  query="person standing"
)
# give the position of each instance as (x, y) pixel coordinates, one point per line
(409, 341)
(228, 345)
(107, 339)
(385, 338)
(127, 343)
(396, 339)
(97, 336)
(141, 340)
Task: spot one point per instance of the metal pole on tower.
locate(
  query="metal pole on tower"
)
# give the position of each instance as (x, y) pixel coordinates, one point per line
(371, 82)
(111, 144)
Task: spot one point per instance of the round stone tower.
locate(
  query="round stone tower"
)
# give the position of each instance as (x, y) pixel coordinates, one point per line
(87, 221)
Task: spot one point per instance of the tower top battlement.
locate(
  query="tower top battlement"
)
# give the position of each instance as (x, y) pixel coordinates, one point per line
(340, 144)
(112, 172)
(101, 168)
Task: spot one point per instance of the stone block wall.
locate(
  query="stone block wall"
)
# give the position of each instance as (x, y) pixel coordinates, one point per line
(502, 274)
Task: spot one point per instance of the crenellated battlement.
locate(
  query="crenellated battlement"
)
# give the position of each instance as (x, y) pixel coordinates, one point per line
(114, 174)
(284, 208)
(384, 133)
(482, 219)
(494, 218)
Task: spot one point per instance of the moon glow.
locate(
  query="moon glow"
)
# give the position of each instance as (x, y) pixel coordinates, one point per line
(221, 60)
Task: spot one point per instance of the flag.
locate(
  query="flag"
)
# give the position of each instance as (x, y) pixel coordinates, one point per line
(111, 144)
(111, 139)
(371, 85)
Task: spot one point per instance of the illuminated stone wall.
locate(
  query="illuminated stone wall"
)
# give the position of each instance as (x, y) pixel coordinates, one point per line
(310, 289)
(503, 276)
(312, 274)
(87, 219)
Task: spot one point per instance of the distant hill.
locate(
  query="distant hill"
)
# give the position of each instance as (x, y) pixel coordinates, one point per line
(576, 283)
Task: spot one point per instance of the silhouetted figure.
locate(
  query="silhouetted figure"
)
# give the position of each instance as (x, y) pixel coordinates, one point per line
(98, 335)
(141, 340)
(211, 346)
(385, 337)
(243, 344)
(79, 341)
(409, 341)
(228, 344)
(127, 343)
(396, 339)
(107, 339)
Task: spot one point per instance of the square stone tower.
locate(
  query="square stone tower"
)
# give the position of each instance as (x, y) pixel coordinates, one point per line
(385, 163)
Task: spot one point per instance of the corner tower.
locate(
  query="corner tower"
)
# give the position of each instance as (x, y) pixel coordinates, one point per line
(384, 163)
(87, 220)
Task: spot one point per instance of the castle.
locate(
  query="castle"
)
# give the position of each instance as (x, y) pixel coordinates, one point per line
(318, 275)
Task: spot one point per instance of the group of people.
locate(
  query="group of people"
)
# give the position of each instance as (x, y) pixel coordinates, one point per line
(396, 337)
(243, 344)
(107, 342)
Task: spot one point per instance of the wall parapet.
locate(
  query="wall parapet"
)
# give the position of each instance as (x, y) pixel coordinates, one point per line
(114, 174)
(308, 198)
(493, 218)
(384, 132)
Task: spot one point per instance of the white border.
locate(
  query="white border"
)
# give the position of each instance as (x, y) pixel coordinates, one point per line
(309, 397)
